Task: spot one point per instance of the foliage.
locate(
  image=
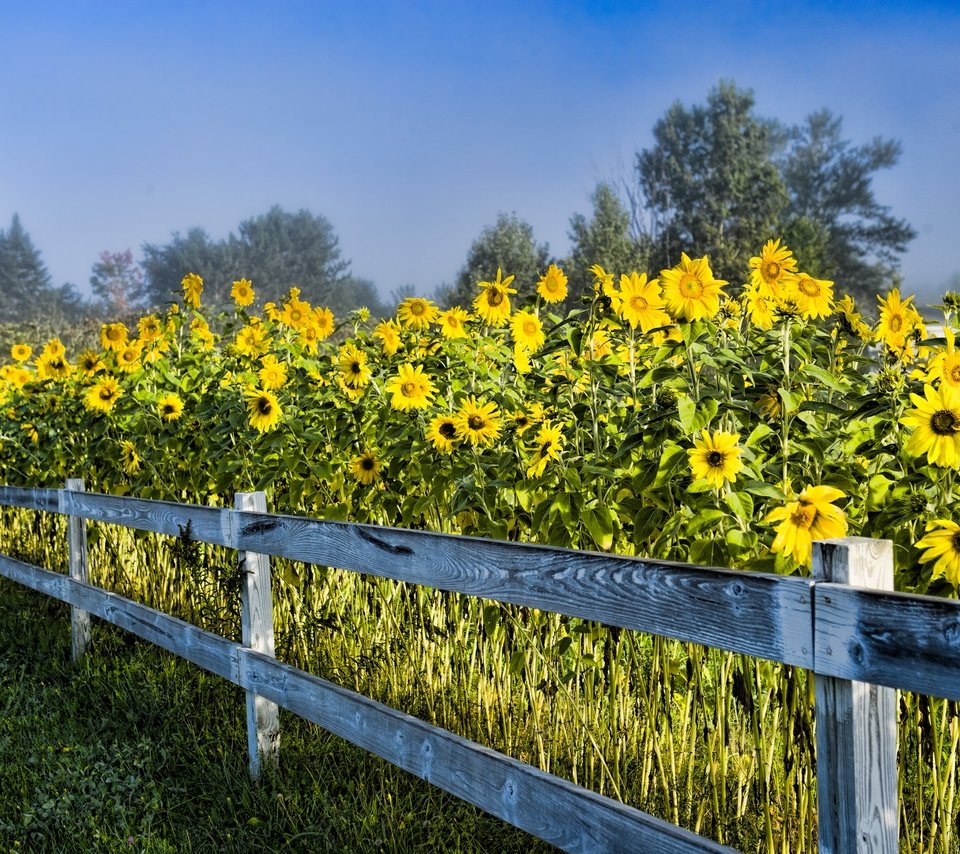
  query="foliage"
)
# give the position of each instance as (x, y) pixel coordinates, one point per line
(509, 245)
(117, 282)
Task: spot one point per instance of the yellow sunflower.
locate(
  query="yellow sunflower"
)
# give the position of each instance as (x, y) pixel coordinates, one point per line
(944, 365)
(128, 359)
(101, 396)
(715, 458)
(493, 301)
(552, 286)
(411, 388)
(170, 407)
(942, 546)
(51, 366)
(251, 341)
(296, 312)
(772, 269)
(18, 376)
(527, 331)
(442, 433)
(130, 460)
(547, 446)
(690, 290)
(812, 297)
(353, 367)
(897, 319)
(323, 321)
(811, 517)
(113, 336)
(149, 328)
(90, 362)
(200, 330)
(478, 423)
(452, 322)
(21, 352)
(851, 322)
(192, 288)
(365, 467)
(936, 423)
(272, 373)
(263, 409)
(641, 303)
(759, 308)
(416, 313)
(389, 334)
(242, 292)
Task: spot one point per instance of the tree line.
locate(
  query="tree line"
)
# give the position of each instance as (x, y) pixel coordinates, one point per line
(718, 180)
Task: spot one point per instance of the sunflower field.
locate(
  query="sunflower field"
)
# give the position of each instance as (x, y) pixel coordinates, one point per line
(679, 417)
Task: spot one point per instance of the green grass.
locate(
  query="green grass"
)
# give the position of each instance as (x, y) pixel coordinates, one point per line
(133, 750)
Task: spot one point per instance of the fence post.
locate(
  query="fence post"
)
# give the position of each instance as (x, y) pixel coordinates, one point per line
(263, 716)
(77, 545)
(856, 722)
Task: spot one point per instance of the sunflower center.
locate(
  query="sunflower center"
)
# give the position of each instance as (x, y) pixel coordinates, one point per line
(169, 409)
(105, 394)
(264, 406)
(476, 422)
(417, 308)
(530, 328)
(715, 459)
(545, 447)
(638, 303)
(803, 516)
(356, 368)
(809, 287)
(367, 464)
(955, 542)
(690, 287)
(447, 430)
(771, 271)
(944, 423)
(408, 389)
(494, 297)
(896, 323)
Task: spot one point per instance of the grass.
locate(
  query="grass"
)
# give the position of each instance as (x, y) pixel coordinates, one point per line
(132, 750)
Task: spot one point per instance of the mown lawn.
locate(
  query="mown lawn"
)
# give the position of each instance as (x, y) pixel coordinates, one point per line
(132, 750)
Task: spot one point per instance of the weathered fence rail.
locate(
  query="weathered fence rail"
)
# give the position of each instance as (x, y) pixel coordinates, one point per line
(853, 639)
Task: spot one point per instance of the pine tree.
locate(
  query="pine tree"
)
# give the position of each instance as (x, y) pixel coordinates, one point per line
(25, 284)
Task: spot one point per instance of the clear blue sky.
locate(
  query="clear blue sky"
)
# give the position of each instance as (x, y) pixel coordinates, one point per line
(410, 125)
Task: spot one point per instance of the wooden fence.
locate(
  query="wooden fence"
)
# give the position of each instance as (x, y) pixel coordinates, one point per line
(860, 644)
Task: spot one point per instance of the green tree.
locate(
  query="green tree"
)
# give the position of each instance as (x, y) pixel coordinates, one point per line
(833, 220)
(606, 240)
(710, 183)
(117, 282)
(509, 245)
(164, 267)
(26, 288)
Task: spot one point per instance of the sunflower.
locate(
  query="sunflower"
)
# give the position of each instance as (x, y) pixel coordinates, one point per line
(21, 352)
(416, 313)
(548, 444)
(192, 288)
(812, 297)
(600, 345)
(242, 292)
(452, 322)
(149, 328)
(942, 544)
(936, 423)
(527, 331)
(128, 359)
(200, 330)
(129, 458)
(944, 365)
(263, 409)
(851, 322)
(493, 301)
(715, 458)
(90, 362)
(442, 433)
(51, 366)
(811, 517)
(113, 336)
(389, 334)
(553, 285)
(760, 308)
(772, 269)
(365, 468)
(101, 396)
(641, 302)
(251, 341)
(17, 376)
(170, 407)
(478, 423)
(411, 388)
(689, 289)
(897, 319)
(272, 373)
(323, 321)
(353, 367)
(296, 313)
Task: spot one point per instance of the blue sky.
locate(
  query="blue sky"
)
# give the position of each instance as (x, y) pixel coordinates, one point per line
(410, 125)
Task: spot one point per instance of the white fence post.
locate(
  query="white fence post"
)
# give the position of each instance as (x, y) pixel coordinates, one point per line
(77, 544)
(856, 722)
(263, 716)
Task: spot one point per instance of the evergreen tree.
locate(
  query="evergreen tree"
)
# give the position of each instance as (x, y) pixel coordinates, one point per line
(26, 289)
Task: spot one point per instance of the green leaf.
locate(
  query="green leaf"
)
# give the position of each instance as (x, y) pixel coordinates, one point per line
(673, 457)
(764, 490)
(741, 504)
(600, 525)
